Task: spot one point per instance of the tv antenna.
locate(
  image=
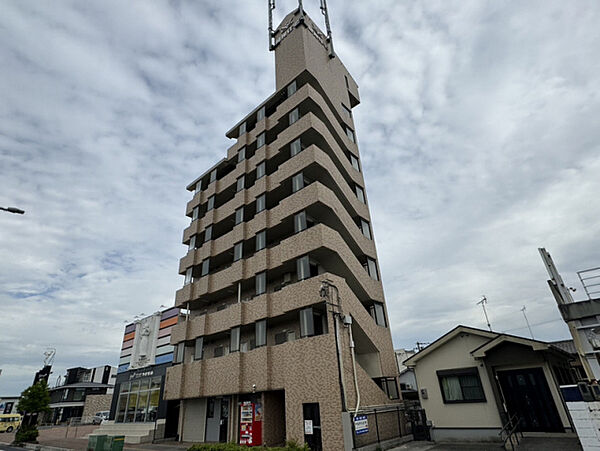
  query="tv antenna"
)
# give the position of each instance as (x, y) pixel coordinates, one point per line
(527, 321)
(49, 356)
(487, 320)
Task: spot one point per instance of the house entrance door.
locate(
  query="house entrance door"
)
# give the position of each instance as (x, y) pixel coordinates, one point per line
(527, 394)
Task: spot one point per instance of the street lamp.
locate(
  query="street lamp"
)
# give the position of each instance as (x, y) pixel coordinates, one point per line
(17, 211)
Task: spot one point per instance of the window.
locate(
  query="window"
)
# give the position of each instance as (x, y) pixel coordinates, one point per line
(208, 233)
(241, 154)
(79, 394)
(311, 322)
(261, 203)
(260, 170)
(297, 182)
(360, 194)
(195, 213)
(213, 176)
(205, 267)
(366, 229)
(260, 140)
(291, 89)
(239, 215)
(260, 114)
(388, 385)
(178, 357)
(238, 250)
(300, 222)
(188, 276)
(347, 111)
(461, 385)
(260, 331)
(219, 351)
(378, 314)
(350, 134)
(199, 348)
(234, 342)
(354, 162)
(210, 204)
(371, 268)
(294, 116)
(140, 404)
(198, 187)
(65, 394)
(296, 147)
(261, 240)
(306, 268)
(240, 183)
(242, 128)
(261, 283)
(192, 244)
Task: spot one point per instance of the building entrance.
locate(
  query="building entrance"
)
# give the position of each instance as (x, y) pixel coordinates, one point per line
(526, 394)
(312, 426)
(217, 419)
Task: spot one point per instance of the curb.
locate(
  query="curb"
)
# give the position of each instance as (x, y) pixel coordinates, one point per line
(44, 447)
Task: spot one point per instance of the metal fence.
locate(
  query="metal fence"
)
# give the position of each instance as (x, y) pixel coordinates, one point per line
(388, 424)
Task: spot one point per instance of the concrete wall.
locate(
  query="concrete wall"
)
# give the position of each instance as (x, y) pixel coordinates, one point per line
(456, 354)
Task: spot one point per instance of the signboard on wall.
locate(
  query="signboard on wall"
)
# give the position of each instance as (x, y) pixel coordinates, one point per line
(361, 424)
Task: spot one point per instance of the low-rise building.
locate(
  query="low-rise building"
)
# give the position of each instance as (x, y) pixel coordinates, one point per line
(406, 378)
(8, 404)
(471, 381)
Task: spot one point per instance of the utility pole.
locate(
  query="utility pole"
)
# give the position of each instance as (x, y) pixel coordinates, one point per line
(528, 326)
(482, 303)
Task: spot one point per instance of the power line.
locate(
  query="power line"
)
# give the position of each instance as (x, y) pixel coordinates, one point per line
(534, 324)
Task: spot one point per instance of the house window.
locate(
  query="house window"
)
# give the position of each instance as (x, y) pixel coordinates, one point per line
(296, 147)
(378, 314)
(199, 348)
(188, 276)
(297, 182)
(294, 116)
(360, 194)
(210, 204)
(242, 154)
(192, 244)
(242, 128)
(234, 342)
(239, 215)
(260, 170)
(350, 134)
(461, 385)
(260, 331)
(305, 268)
(205, 267)
(178, 357)
(260, 114)
(300, 222)
(238, 250)
(261, 240)
(208, 233)
(261, 283)
(291, 89)
(195, 213)
(240, 184)
(260, 140)
(311, 322)
(371, 268)
(213, 176)
(261, 203)
(388, 385)
(354, 162)
(366, 229)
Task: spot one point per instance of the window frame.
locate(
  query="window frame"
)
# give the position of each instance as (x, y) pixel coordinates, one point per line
(208, 233)
(235, 339)
(261, 140)
(205, 267)
(291, 88)
(238, 251)
(294, 116)
(241, 155)
(212, 176)
(360, 193)
(298, 182)
(295, 147)
(261, 203)
(261, 170)
(457, 372)
(240, 183)
(260, 331)
(260, 114)
(260, 280)
(263, 234)
(199, 345)
(239, 215)
(210, 203)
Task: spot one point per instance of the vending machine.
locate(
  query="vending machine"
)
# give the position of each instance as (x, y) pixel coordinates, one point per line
(250, 423)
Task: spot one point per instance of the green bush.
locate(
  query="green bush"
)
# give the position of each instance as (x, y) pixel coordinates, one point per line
(26, 433)
(289, 446)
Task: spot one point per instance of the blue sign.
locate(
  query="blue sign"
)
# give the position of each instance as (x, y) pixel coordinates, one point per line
(361, 424)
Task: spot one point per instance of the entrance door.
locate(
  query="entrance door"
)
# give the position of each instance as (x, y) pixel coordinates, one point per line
(217, 419)
(526, 393)
(312, 424)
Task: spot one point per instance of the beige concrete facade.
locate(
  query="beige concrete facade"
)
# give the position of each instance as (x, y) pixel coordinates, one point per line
(225, 295)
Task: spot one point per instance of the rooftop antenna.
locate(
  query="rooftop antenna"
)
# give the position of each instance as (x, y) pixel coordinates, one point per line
(528, 326)
(482, 303)
(49, 356)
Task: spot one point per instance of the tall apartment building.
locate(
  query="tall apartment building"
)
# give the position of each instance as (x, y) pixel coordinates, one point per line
(287, 320)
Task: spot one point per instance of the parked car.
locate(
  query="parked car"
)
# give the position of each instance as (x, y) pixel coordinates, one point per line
(99, 417)
(10, 422)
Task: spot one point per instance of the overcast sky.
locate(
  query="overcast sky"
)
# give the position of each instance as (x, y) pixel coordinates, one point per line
(478, 131)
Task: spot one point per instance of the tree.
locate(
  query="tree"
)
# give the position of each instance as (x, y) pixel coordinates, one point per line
(34, 400)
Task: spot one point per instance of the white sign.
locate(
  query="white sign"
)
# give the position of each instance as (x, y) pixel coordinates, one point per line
(361, 424)
(308, 427)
